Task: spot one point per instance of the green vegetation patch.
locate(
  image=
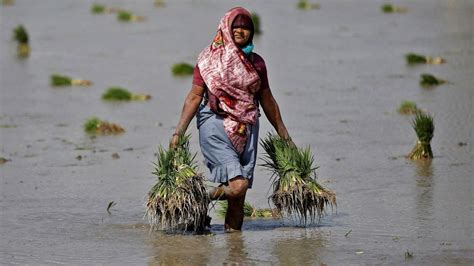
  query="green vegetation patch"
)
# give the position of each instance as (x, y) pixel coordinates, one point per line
(408, 108)
(424, 127)
(57, 80)
(256, 23)
(182, 69)
(98, 9)
(306, 5)
(95, 125)
(179, 196)
(428, 80)
(296, 193)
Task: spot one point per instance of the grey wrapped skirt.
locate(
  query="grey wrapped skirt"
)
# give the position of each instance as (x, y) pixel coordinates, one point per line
(221, 158)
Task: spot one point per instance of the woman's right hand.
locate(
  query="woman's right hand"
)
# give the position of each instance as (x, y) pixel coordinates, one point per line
(174, 141)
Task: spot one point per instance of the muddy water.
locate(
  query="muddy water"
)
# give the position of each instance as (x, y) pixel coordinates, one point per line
(339, 76)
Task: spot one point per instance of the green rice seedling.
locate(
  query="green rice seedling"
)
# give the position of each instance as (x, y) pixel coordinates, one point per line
(95, 125)
(424, 128)
(179, 197)
(121, 94)
(408, 108)
(256, 23)
(61, 80)
(428, 80)
(21, 37)
(413, 59)
(306, 5)
(182, 69)
(249, 211)
(389, 8)
(98, 9)
(296, 193)
(127, 16)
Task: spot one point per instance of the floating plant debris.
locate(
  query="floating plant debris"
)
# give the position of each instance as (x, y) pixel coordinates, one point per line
(413, 59)
(101, 9)
(428, 80)
(159, 3)
(127, 16)
(61, 80)
(389, 8)
(296, 193)
(256, 23)
(182, 69)
(3, 160)
(249, 211)
(21, 37)
(424, 128)
(121, 94)
(306, 5)
(179, 197)
(110, 205)
(95, 125)
(408, 108)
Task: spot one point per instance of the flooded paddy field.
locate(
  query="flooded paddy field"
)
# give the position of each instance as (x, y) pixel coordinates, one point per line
(338, 74)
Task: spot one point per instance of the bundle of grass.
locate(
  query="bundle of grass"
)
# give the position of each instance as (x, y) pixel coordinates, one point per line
(305, 5)
(8, 2)
(424, 128)
(21, 37)
(121, 94)
(249, 211)
(94, 125)
(408, 108)
(428, 80)
(413, 59)
(389, 8)
(61, 81)
(98, 9)
(296, 193)
(126, 16)
(256, 23)
(179, 197)
(182, 69)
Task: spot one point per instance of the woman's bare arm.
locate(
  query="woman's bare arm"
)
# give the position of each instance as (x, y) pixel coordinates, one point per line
(272, 112)
(190, 107)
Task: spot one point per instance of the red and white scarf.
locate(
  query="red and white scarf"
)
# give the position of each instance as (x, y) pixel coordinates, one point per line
(231, 77)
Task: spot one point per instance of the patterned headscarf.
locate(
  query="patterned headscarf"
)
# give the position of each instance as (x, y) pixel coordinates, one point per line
(232, 79)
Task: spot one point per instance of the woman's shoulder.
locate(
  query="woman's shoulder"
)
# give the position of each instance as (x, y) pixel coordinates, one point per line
(257, 58)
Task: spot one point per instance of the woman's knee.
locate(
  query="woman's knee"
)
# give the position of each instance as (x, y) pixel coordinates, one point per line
(238, 186)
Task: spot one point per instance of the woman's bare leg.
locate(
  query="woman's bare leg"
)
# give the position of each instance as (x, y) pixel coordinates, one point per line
(235, 194)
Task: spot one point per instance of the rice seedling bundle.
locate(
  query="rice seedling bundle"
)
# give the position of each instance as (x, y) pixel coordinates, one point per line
(256, 23)
(182, 69)
(296, 193)
(428, 80)
(424, 128)
(159, 3)
(8, 2)
(412, 59)
(305, 5)
(408, 108)
(98, 9)
(389, 8)
(121, 94)
(179, 197)
(61, 80)
(127, 16)
(20, 35)
(249, 211)
(95, 125)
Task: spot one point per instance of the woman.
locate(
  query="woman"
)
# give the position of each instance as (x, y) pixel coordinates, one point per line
(232, 80)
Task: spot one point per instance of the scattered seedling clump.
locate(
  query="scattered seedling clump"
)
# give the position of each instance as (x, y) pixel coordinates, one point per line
(121, 94)
(296, 193)
(408, 108)
(126, 16)
(428, 80)
(61, 81)
(390, 8)
(95, 125)
(413, 59)
(159, 3)
(256, 23)
(8, 2)
(306, 5)
(179, 197)
(249, 211)
(424, 128)
(21, 37)
(182, 69)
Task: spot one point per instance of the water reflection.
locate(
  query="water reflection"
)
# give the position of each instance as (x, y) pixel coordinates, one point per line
(304, 249)
(180, 249)
(236, 252)
(424, 196)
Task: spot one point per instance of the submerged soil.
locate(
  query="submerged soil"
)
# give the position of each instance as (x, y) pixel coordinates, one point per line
(339, 76)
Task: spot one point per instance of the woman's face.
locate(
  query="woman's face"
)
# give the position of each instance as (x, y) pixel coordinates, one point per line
(240, 36)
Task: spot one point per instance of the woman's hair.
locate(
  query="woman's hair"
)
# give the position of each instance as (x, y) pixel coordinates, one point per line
(245, 22)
